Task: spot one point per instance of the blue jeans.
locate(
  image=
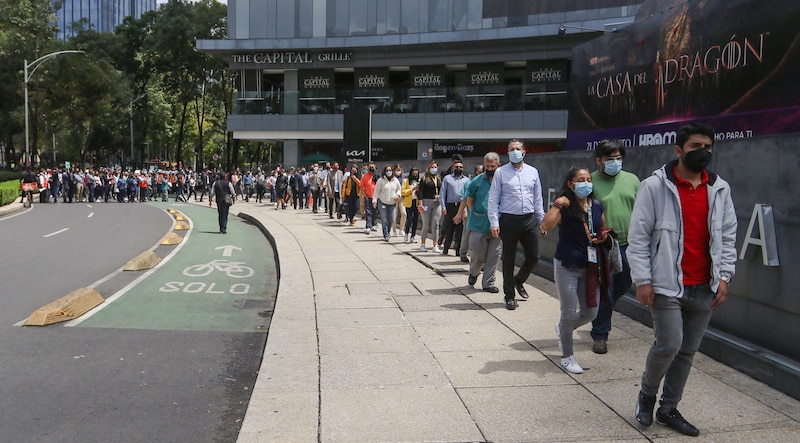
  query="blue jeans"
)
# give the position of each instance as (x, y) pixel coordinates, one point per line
(369, 214)
(54, 191)
(222, 211)
(678, 325)
(387, 217)
(620, 283)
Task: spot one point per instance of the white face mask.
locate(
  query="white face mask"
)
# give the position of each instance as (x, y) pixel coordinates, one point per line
(398, 173)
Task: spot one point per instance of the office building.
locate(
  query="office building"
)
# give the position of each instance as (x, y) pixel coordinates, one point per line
(100, 15)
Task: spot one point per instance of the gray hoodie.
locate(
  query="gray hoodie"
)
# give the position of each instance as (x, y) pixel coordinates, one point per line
(655, 239)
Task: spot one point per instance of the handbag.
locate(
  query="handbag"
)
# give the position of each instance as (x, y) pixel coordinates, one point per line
(228, 200)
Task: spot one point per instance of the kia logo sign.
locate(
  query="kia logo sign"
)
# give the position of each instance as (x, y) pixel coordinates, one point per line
(355, 153)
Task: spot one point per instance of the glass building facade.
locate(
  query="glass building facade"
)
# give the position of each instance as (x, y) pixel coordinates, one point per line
(99, 15)
(440, 76)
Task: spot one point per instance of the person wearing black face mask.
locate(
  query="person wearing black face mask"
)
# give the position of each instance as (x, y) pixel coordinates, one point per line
(450, 200)
(688, 212)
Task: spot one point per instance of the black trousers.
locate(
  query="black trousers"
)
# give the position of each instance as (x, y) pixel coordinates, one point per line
(452, 231)
(518, 229)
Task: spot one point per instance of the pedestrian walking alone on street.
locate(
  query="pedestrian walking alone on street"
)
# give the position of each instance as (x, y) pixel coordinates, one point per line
(222, 191)
(682, 254)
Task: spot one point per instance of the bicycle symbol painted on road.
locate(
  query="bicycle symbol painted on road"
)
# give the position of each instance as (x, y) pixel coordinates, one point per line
(230, 268)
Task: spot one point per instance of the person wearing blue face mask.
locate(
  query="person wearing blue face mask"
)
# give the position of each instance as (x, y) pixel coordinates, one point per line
(616, 189)
(515, 210)
(581, 222)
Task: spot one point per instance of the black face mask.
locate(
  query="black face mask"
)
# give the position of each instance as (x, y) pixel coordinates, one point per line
(697, 160)
(458, 171)
(371, 169)
(490, 173)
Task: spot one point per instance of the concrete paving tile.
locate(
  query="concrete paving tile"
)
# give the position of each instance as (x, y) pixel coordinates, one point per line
(347, 301)
(359, 318)
(467, 337)
(302, 322)
(707, 403)
(771, 434)
(342, 276)
(281, 417)
(632, 327)
(343, 268)
(294, 373)
(393, 289)
(625, 359)
(450, 317)
(744, 383)
(291, 342)
(411, 415)
(330, 288)
(369, 340)
(543, 413)
(396, 275)
(381, 371)
(422, 303)
(484, 369)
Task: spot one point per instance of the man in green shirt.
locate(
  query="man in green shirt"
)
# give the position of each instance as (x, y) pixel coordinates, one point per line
(485, 247)
(616, 189)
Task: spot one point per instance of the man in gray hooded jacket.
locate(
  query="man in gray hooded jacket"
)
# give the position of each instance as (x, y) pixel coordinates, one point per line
(682, 253)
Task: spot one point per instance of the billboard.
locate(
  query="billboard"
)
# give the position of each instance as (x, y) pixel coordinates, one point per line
(728, 63)
(357, 147)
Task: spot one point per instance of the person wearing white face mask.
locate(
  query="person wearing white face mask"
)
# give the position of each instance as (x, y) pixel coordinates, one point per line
(515, 209)
(616, 189)
(580, 236)
(385, 198)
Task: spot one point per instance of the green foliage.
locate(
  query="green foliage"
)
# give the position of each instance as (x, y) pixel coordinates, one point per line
(83, 101)
(9, 191)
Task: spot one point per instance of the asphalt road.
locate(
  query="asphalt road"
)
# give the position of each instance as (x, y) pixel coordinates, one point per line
(123, 378)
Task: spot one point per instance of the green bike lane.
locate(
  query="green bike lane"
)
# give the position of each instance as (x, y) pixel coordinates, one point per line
(215, 282)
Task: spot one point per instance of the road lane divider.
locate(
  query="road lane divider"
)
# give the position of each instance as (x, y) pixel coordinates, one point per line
(68, 307)
(171, 239)
(145, 260)
(56, 233)
(181, 226)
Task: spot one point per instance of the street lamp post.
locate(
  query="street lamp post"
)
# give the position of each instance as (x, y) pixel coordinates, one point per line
(133, 102)
(53, 130)
(32, 66)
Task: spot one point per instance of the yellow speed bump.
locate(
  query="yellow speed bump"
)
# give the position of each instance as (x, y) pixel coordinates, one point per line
(172, 210)
(181, 226)
(172, 239)
(68, 307)
(145, 260)
(179, 217)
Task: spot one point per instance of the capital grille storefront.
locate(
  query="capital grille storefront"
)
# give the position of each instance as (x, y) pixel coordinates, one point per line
(467, 75)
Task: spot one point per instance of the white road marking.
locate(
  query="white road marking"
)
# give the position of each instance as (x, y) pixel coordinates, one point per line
(88, 206)
(227, 250)
(17, 214)
(90, 215)
(131, 285)
(56, 233)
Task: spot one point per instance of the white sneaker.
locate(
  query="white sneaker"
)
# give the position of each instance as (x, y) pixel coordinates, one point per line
(405, 238)
(366, 231)
(558, 337)
(571, 365)
(412, 240)
(422, 248)
(374, 229)
(437, 249)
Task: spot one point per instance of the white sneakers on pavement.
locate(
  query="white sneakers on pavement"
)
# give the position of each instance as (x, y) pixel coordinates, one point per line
(571, 365)
(437, 249)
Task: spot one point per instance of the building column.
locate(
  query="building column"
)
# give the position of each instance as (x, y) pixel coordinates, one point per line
(291, 84)
(425, 150)
(292, 153)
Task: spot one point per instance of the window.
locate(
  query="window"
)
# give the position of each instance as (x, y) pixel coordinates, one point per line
(409, 22)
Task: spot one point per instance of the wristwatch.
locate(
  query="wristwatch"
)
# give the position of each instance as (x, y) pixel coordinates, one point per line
(726, 279)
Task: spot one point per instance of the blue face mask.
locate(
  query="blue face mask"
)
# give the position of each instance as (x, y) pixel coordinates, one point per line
(516, 156)
(583, 189)
(613, 167)
(433, 171)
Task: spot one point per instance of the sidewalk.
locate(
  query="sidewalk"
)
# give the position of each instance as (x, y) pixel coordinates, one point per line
(377, 342)
(10, 208)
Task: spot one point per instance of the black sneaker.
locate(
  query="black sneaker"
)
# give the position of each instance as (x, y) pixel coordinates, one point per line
(511, 304)
(644, 409)
(521, 289)
(673, 419)
(472, 279)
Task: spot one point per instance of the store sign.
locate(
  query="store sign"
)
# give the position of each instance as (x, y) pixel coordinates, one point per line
(317, 80)
(371, 78)
(640, 87)
(485, 75)
(427, 76)
(547, 72)
(291, 58)
(357, 134)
